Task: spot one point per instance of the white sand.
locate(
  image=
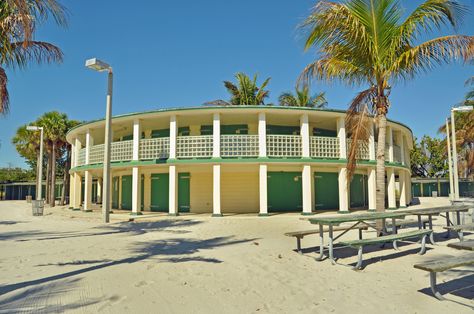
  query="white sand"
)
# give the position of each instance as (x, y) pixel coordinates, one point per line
(70, 262)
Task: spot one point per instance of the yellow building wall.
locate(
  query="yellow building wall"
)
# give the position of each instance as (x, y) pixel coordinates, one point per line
(201, 192)
(239, 192)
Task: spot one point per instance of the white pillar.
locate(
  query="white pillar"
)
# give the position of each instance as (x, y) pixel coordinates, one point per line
(216, 136)
(77, 191)
(99, 190)
(341, 134)
(371, 141)
(408, 187)
(173, 135)
(343, 191)
(372, 188)
(304, 131)
(137, 134)
(136, 191)
(89, 143)
(390, 143)
(263, 190)
(87, 191)
(73, 155)
(71, 191)
(216, 191)
(306, 185)
(77, 147)
(262, 135)
(392, 203)
(403, 185)
(173, 191)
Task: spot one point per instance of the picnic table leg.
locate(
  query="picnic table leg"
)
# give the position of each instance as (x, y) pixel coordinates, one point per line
(423, 247)
(433, 286)
(321, 243)
(430, 222)
(419, 222)
(331, 253)
(394, 226)
(359, 259)
(458, 218)
(298, 245)
(461, 235)
(448, 222)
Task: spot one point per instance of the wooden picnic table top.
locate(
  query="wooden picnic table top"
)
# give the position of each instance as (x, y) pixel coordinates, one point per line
(336, 220)
(437, 210)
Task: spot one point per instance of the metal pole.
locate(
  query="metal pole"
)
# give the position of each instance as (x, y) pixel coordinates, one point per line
(40, 170)
(107, 148)
(450, 164)
(455, 158)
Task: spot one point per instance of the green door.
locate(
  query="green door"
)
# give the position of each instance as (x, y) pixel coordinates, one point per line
(127, 192)
(466, 189)
(428, 188)
(184, 192)
(326, 189)
(416, 190)
(115, 192)
(284, 191)
(444, 189)
(359, 192)
(159, 192)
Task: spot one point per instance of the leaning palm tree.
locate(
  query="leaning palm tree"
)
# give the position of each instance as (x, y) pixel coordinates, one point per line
(245, 93)
(302, 98)
(369, 43)
(18, 22)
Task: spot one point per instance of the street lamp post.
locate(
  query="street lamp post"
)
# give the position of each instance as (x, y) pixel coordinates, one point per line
(455, 154)
(39, 166)
(450, 164)
(101, 66)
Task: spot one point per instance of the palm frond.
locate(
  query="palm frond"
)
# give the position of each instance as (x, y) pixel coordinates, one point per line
(218, 102)
(37, 51)
(287, 99)
(318, 100)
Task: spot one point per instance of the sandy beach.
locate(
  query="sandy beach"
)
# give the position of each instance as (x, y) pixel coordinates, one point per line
(69, 261)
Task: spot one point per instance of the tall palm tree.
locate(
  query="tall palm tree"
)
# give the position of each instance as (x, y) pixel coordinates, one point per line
(302, 98)
(18, 22)
(245, 93)
(369, 43)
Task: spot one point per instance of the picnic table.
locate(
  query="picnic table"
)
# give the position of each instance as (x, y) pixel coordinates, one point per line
(358, 219)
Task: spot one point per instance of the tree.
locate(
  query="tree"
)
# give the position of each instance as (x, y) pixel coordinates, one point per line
(429, 158)
(15, 175)
(367, 42)
(18, 22)
(302, 98)
(244, 93)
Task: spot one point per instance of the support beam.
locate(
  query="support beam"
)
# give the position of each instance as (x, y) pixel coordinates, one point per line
(341, 134)
(77, 192)
(216, 191)
(87, 191)
(392, 203)
(343, 191)
(304, 131)
(307, 195)
(402, 184)
(173, 191)
(372, 188)
(136, 191)
(137, 134)
(263, 190)
(262, 135)
(216, 136)
(173, 136)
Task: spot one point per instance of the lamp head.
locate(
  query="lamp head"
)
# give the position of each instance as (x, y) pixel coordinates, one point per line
(97, 65)
(33, 128)
(463, 108)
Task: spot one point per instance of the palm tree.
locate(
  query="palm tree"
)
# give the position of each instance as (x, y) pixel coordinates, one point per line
(302, 98)
(368, 43)
(245, 93)
(18, 22)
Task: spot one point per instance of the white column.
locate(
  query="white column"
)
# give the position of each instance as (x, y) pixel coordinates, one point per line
(341, 134)
(262, 135)
(408, 187)
(390, 143)
(306, 185)
(173, 191)
(372, 188)
(99, 190)
(77, 191)
(87, 191)
(263, 190)
(71, 191)
(402, 148)
(343, 191)
(304, 131)
(403, 185)
(137, 134)
(216, 191)
(89, 143)
(73, 155)
(216, 136)
(392, 204)
(371, 141)
(173, 135)
(77, 146)
(136, 191)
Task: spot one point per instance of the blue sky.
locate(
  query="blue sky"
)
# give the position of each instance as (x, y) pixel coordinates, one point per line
(177, 53)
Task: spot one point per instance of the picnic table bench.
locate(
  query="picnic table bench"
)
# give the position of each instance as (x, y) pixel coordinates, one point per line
(459, 229)
(359, 244)
(464, 245)
(441, 265)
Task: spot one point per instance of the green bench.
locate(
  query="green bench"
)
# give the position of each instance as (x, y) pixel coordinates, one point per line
(463, 245)
(460, 229)
(441, 265)
(359, 244)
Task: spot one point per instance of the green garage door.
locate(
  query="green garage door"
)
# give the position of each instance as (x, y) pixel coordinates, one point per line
(159, 192)
(416, 189)
(444, 189)
(127, 192)
(326, 189)
(115, 192)
(428, 188)
(359, 193)
(284, 191)
(183, 193)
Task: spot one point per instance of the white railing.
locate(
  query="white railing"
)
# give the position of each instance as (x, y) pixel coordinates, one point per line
(81, 157)
(154, 148)
(324, 147)
(194, 146)
(283, 145)
(121, 151)
(96, 154)
(239, 145)
(362, 151)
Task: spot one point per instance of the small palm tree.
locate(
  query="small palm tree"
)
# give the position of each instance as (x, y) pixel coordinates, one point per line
(244, 93)
(302, 98)
(369, 43)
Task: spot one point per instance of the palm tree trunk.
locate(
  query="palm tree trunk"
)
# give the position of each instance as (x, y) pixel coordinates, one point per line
(66, 175)
(48, 177)
(53, 175)
(380, 170)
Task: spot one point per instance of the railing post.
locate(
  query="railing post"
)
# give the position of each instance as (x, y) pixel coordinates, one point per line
(136, 139)
(371, 141)
(216, 136)
(304, 131)
(173, 135)
(390, 143)
(262, 135)
(341, 134)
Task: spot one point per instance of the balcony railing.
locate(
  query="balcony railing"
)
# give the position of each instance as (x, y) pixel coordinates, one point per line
(324, 147)
(154, 148)
(239, 145)
(194, 146)
(397, 154)
(121, 151)
(283, 145)
(362, 151)
(81, 158)
(96, 154)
